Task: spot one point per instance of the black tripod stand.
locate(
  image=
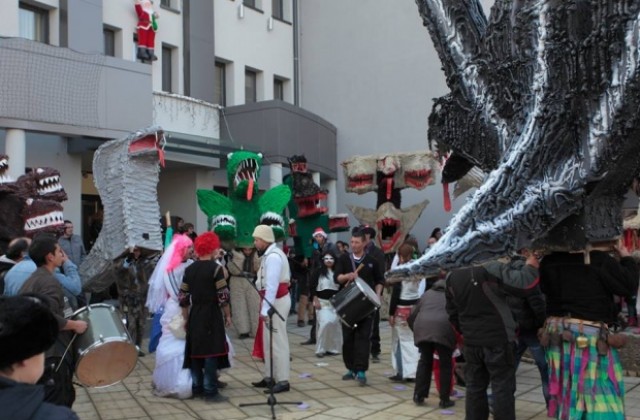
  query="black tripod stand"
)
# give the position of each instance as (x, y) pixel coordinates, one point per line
(271, 399)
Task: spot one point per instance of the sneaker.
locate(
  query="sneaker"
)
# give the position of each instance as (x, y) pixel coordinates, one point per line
(311, 322)
(348, 376)
(361, 378)
(396, 378)
(320, 355)
(375, 358)
(446, 403)
(301, 323)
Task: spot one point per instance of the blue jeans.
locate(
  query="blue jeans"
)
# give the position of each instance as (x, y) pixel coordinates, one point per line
(204, 373)
(529, 338)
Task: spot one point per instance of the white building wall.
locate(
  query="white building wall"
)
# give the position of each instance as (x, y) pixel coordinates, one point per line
(370, 68)
(121, 14)
(247, 42)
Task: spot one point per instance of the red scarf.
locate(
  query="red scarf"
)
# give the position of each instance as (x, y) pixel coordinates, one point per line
(258, 348)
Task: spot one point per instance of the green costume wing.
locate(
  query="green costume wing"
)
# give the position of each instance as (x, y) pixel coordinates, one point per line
(218, 209)
(272, 204)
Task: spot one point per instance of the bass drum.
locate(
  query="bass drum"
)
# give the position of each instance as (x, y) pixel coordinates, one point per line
(355, 302)
(105, 353)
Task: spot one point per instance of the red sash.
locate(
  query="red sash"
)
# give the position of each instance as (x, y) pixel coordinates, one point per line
(258, 348)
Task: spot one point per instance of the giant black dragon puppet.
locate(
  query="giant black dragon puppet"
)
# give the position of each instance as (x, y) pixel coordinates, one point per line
(544, 98)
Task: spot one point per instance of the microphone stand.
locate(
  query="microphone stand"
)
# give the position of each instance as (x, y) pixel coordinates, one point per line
(271, 399)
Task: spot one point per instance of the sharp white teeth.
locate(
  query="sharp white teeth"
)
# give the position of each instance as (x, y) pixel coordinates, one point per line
(50, 219)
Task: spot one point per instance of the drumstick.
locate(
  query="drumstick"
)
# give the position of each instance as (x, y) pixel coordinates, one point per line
(65, 352)
(357, 269)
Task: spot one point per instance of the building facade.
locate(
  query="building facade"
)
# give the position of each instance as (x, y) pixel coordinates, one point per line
(224, 79)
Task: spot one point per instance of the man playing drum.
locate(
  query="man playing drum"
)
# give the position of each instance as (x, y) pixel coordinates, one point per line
(58, 373)
(356, 341)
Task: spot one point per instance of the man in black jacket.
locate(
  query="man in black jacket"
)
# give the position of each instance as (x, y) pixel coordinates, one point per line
(530, 313)
(357, 341)
(478, 309)
(371, 249)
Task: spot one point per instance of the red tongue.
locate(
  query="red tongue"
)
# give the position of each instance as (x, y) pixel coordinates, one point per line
(389, 188)
(250, 189)
(161, 157)
(447, 200)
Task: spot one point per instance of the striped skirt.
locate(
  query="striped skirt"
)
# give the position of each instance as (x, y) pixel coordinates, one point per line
(583, 385)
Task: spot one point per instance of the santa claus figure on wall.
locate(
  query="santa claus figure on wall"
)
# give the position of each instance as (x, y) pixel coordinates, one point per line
(146, 28)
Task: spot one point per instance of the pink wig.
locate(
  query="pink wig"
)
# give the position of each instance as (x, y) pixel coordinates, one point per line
(207, 243)
(181, 243)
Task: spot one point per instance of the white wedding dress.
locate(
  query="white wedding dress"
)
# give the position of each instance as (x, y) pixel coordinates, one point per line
(169, 378)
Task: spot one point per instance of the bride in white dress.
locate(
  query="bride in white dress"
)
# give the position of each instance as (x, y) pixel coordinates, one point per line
(169, 378)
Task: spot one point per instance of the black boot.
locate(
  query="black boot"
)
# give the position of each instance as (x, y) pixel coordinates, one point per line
(141, 54)
(150, 55)
(446, 403)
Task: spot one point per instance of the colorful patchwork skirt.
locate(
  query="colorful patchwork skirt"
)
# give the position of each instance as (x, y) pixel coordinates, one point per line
(583, 384)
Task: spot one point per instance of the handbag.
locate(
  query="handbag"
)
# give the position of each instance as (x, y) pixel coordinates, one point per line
(176, 326)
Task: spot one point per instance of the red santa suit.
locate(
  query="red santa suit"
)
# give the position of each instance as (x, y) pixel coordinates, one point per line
(146, 29)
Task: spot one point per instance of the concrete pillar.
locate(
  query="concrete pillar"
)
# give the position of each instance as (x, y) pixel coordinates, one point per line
(332, 195)
(275, 174)
(16, 149)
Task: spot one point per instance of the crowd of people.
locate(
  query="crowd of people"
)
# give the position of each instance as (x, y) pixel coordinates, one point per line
(561, 307)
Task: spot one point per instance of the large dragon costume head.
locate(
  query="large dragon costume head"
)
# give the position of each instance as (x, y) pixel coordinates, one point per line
(388, 175)
(306, 208)
(233, 218)
(126, 173)
(243, 172)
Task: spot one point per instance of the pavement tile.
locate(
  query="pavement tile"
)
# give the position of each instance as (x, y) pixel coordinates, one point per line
(325, 395)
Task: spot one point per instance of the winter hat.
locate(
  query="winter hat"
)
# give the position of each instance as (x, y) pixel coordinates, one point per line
(265, 233)
(319, 231)
(27, 328)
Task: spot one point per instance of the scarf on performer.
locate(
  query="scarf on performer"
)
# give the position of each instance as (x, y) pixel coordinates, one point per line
(258, 346)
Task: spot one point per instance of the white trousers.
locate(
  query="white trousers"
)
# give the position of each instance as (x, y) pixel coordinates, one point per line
(329, 329)
(404, 353)
(281, 363)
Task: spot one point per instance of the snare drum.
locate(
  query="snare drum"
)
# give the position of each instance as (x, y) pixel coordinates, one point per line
(105, 354)
(355, 302)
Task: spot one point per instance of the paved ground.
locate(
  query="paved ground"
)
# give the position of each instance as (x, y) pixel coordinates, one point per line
(315, 382)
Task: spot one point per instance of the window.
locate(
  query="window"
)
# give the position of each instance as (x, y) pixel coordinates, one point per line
(252, 3)
(250, 88)
(277, 9)
(109, 36)
(278, 89)
(221, 83)
(165, 3)
(167, 74)
(34, 23)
